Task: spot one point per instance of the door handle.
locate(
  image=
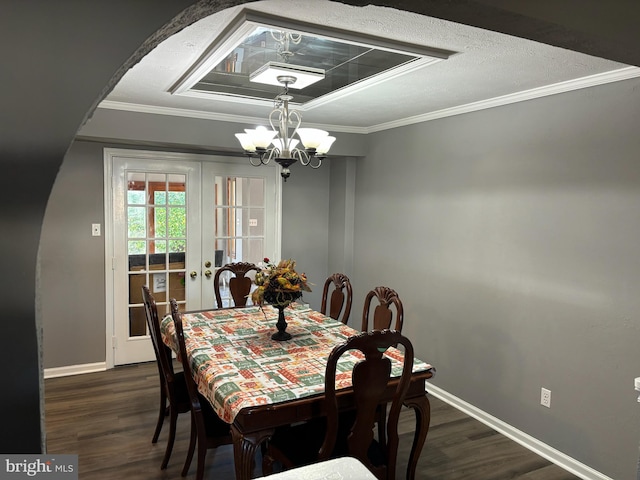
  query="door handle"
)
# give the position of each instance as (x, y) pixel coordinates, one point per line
(207, 264)
(193, 274)
(207, 273)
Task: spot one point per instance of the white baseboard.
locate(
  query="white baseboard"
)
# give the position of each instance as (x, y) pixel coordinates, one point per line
(555, 456)
(74, 370)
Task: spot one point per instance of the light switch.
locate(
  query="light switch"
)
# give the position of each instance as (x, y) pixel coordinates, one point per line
(95, 229)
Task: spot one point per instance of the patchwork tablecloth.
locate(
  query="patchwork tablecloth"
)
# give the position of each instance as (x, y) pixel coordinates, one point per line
(236, 364)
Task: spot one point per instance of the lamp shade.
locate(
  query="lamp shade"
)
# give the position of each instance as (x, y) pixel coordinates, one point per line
(278, 143)
(324, 147)
(245, 142)
(261, 137)
(311, 137)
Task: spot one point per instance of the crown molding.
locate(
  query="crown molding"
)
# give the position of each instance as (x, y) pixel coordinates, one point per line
(548, 90)
(561, 87)
(223, 117)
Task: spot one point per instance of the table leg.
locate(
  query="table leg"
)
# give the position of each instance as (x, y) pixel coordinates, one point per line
(422, 410)
(244, 450)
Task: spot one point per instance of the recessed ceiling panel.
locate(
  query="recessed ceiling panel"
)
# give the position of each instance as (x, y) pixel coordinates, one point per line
(251, 43)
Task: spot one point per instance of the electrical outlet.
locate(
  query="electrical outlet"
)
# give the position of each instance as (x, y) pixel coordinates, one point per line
(545, 397)
(95, 229)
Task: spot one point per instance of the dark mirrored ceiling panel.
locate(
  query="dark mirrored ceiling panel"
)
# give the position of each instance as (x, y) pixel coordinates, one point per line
(252, 43)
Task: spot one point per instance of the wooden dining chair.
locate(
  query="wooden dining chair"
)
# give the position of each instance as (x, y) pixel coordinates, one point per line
(207, 429)
(383, 313)
(339, 302)
(388, 301)
(239, 283)
(351, 433)
(174, 398)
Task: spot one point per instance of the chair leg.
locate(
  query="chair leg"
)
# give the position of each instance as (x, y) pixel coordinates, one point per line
(202, 452)
(192, 448)
(173, 416)
(161, 414)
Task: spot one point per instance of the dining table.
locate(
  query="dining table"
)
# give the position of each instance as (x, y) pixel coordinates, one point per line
(257, 384)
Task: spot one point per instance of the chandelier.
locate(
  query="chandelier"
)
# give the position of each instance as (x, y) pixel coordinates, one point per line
(262, 145)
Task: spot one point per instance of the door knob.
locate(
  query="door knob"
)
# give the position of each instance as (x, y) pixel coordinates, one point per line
(207, 273)
(193, 274)
(207, 264)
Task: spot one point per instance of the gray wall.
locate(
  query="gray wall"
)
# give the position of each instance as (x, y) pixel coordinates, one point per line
(511, 236)
(305, 224)
(341, 216)
(72, 262)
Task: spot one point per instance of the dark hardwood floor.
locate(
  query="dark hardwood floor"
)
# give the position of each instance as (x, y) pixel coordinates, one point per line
(108, 419)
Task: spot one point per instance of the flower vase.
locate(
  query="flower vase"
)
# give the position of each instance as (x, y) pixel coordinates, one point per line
(281, 325)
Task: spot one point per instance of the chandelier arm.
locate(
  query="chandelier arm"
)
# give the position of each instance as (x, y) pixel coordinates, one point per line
(294, 116)
(280, 119)
(271, 115)
(273, 153)
(317, 165)
(306, 159)
(302, 156)
(251, 161)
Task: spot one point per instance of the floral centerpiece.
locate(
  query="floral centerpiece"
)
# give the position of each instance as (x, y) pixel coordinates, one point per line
(279, 285)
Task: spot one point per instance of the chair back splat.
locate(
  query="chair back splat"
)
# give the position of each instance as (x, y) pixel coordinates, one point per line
(350, 432)
(383, 313)
(370, 379)
(339, 302)
(239, 283)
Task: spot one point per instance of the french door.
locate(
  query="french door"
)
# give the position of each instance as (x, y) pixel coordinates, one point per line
(172, 220)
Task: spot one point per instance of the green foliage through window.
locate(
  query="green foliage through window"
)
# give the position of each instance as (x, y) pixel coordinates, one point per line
(170, 223)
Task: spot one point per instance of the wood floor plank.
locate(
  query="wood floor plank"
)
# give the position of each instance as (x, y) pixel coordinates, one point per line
(108, 418)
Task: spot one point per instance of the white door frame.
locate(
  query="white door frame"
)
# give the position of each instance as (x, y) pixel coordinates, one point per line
(109, 211)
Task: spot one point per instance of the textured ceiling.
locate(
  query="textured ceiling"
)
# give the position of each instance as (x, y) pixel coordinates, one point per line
(488, 69)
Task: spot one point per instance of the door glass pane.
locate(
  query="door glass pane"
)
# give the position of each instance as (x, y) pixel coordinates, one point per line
(159, 222)
(221, 252)
(222, 222)
(177, 221)
(136, 247)
(137, 222)
(255, 250)
(157, 246)
(177, 190)
(239, 222)
(156, 242)
(256, 189)
(255, 219)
